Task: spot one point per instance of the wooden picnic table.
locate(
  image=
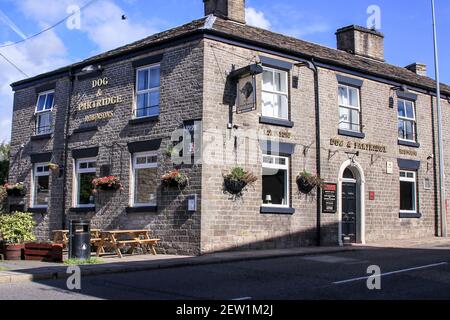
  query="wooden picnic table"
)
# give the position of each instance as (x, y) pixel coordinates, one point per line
(117, 239)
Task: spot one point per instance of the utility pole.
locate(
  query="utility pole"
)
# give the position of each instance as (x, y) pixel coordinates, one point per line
(443, 201)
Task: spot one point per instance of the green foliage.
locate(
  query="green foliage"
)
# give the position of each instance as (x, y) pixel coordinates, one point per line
(239, 174)
(310, 178)
(17, 228)
(5, 150)
(76, 262)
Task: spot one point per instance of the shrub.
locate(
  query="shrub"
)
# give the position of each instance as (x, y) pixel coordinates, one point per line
(17, 228)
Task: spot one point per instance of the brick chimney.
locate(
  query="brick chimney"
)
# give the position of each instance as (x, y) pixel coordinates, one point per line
(227, 9)
(418, 68)
(361, 41)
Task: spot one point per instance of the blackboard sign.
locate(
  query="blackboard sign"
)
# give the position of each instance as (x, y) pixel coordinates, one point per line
(329, 198)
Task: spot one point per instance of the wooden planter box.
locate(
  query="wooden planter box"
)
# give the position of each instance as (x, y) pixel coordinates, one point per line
(44, 252)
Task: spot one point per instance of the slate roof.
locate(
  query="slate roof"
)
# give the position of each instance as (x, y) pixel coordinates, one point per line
(270, 40)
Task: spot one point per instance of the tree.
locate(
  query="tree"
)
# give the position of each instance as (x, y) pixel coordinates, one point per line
(5, 151)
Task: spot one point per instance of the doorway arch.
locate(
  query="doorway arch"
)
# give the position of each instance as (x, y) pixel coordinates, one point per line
(352, 172)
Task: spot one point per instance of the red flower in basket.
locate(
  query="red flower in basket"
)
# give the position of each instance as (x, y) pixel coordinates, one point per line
(110, 183)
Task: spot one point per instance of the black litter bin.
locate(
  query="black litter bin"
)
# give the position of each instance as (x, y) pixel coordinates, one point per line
(80, 240)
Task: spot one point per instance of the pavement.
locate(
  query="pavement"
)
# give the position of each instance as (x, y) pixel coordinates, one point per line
(20, 271)
(405, 273)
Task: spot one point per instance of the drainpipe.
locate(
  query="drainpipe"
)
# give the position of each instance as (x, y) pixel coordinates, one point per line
(313, 67)
(318, 154)
(66, 147)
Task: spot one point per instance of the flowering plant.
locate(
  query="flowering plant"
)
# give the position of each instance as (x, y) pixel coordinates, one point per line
(175, 178)
(110, 183)
(16, 189)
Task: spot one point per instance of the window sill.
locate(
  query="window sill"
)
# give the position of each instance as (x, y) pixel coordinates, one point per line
(85, 129)
(408, 143)
(83, 209)
(38, 137)
(42, 210)
(142, 209)
(353, 134)
(143, 120)
(410, 215)
(276, 122)
(277, 210)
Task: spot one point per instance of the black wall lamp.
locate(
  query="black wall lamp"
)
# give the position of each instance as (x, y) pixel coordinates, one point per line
(401, 88)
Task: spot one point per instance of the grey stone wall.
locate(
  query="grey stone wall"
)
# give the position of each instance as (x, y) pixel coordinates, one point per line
(181, 100)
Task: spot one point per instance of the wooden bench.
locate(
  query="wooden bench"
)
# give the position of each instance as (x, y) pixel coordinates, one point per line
(117, 239)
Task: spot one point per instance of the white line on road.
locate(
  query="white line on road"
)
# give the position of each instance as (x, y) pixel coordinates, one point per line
(392, 272)
(242, 299)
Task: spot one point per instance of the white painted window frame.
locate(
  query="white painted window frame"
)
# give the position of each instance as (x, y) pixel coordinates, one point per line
(349, 106)
(151, 90)
(38, 114)
(274, 93)
(406, 118)
(411, 180)
(76, 179)
(34, 181)
(134, 167)
(287, 182)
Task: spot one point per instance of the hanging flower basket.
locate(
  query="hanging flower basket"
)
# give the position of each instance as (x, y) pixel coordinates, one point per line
(175, 178)
(306, 182)
(15, 190)
(53, 166)
(110, 183)
(237, 180)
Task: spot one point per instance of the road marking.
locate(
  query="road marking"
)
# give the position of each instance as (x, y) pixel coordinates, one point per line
(392, 272)
(242, 299)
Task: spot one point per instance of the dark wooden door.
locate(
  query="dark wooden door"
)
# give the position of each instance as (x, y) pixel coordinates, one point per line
(349, 209)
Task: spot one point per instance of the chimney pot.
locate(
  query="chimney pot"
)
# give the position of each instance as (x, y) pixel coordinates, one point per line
(361, 41)
(227, 9)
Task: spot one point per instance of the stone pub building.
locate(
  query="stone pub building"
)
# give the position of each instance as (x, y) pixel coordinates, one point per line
(219, 93)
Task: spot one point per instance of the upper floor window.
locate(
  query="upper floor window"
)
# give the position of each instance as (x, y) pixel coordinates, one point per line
(84, 175)
(406, 120)
(41, 183)
(349, 108)
(275, 181)
(144, 179)
(44, 109)
(148, 81)
(275, 94)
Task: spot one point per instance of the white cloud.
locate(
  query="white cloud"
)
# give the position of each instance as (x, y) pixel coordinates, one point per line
(300, 31)
(101, 22)
(257, 18)
(35, 56)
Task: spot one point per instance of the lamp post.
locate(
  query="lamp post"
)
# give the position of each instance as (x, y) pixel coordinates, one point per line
(443, 204)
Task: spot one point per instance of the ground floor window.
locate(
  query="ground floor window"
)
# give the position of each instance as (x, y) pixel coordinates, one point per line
(408, 191)
(41, 183)
(275, 181)
(85, 173)
(144, 179)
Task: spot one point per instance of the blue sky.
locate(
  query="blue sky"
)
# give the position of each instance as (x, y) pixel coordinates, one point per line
(405, 23)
